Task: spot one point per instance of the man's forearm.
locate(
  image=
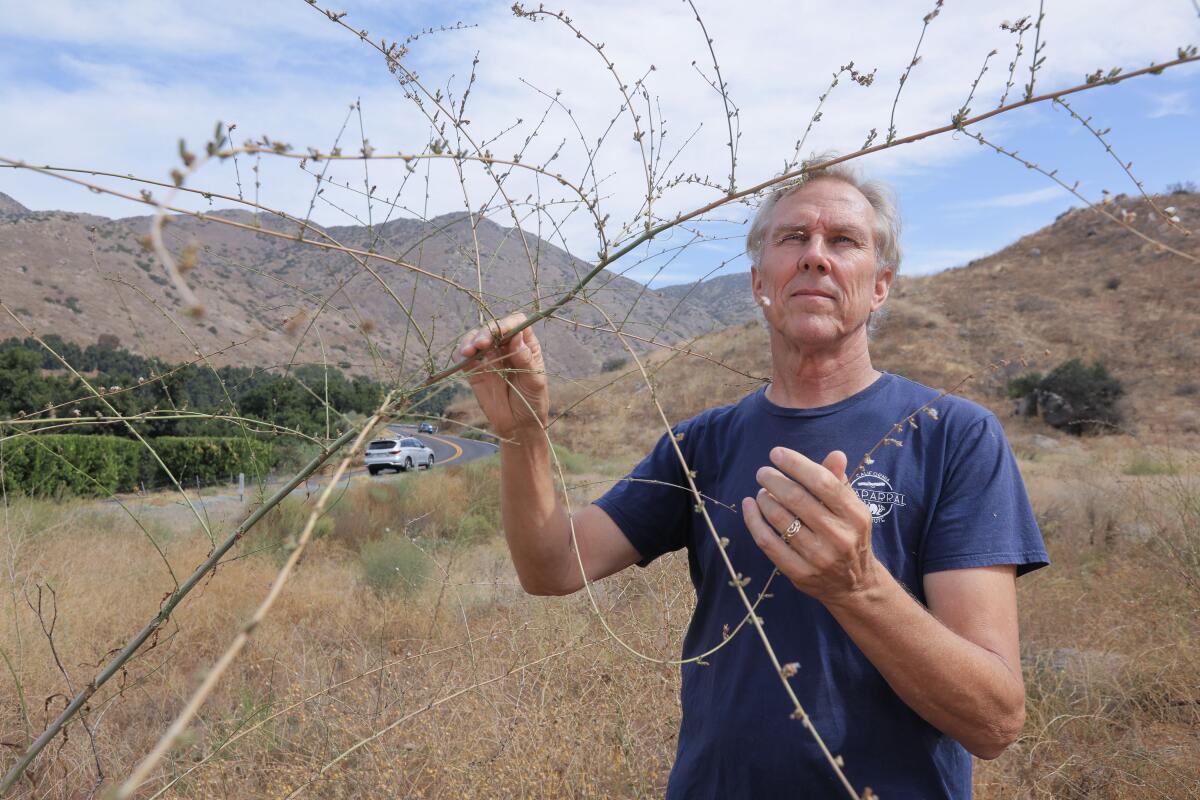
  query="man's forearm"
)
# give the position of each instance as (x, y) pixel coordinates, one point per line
(959, 687)
(533, 516)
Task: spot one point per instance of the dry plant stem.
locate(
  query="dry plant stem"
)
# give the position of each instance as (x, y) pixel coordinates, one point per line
(653, 231)
(55, 423)
(167, 608)
(142, 771)
(736, 582)
(916, 58)
(638, 134)
(723, 90)
(813, 120)
(314, 695)
(1126, 167)
(682, 350)
(587, 582)
(1035, 62)
(396, 66)
(51, 169)
(434, 704)
(631, 245)
(200, 215)
(1052, 175)
(49, 734)
(159, 246)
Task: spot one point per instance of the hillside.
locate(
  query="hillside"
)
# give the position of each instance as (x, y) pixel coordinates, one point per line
(1043, 299)
(10, 206)
(726, 297)
(83, 276)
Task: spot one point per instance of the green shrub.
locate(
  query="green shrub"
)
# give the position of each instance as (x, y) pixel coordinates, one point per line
(50, 465)
(475, 528)
(393, 563)
(1090, 397)
(1022, 385)
(53, 464)
(279, 530)
(1145, 464)
(290, 453)
(205, 459)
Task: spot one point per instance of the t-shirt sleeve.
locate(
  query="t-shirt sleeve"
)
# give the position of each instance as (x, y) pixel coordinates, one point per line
(651, 504)
(983, 516)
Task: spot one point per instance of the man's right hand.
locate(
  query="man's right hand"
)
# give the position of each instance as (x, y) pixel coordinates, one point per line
(510, 384)
(509, 381)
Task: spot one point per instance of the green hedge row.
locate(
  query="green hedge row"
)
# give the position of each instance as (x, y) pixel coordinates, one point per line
(86, 465)
(97, 465)
(209, 459)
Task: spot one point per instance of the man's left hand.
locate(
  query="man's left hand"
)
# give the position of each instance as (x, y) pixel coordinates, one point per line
(829, 555)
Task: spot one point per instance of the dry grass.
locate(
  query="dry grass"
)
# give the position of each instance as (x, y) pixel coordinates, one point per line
(580, 721)
(506, 695)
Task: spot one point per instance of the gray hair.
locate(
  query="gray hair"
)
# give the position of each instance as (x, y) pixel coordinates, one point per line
(887, 217)
(886, 232)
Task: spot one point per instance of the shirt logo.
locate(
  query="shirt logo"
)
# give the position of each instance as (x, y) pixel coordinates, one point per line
(875, 490)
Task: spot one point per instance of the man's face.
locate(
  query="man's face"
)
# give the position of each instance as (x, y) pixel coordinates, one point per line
(817, 268)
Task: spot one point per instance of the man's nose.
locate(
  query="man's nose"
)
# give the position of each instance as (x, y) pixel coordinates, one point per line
(814, 257)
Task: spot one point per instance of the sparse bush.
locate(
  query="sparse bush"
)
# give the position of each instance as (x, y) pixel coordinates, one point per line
(1182, 187)
(474, 528)
(1080, 398)
(1144, 463)
(1112, 283)
(393, 563)
(613, 363)
(278, 532)
(1031, 303)
(1073, 397)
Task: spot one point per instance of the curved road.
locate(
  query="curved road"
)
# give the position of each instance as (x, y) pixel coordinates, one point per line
(446, 449)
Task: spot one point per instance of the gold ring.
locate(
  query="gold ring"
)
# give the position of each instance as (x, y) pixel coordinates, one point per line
(793, 529)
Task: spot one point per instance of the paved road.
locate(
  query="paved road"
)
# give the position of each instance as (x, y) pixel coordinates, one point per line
(446, 450)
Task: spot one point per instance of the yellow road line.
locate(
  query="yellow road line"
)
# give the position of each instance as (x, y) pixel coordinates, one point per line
(458, 451)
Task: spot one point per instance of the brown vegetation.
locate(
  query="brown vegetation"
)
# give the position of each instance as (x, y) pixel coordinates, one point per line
(481, 691)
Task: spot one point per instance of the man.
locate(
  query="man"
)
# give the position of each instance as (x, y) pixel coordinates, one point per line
(901, 612)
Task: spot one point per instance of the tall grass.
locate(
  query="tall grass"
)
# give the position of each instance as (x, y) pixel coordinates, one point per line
(400, 605)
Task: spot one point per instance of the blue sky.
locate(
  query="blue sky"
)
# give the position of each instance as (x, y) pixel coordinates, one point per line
(114, 86)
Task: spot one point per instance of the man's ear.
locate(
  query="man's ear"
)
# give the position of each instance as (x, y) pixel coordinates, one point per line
(756, 284)
(883, 286)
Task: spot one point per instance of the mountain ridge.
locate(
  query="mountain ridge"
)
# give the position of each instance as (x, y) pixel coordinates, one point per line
(82, 276)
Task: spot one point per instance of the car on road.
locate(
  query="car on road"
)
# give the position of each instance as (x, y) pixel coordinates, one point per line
(400, 454)
(427, 427)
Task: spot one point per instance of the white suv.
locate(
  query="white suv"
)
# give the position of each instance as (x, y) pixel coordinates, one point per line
(398, 454)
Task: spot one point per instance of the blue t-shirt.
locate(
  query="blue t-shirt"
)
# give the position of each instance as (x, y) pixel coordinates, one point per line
(950, 498)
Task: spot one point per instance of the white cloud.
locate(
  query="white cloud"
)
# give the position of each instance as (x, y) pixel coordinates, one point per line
(1170, 104)
(1019, 199)
(925, 262)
